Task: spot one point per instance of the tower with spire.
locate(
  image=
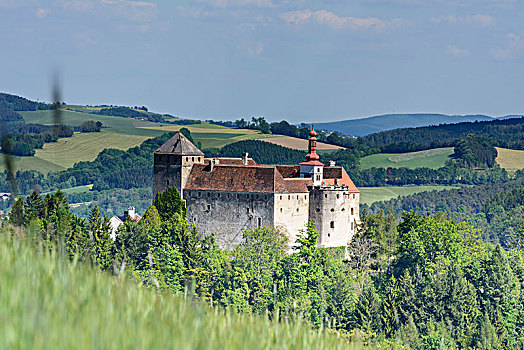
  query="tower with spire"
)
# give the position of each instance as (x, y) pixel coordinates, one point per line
(312, 167)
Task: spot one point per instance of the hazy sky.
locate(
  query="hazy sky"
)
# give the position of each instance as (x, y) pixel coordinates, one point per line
(297, 60)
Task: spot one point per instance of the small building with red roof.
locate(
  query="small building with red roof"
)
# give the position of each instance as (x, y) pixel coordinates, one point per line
(226, 195)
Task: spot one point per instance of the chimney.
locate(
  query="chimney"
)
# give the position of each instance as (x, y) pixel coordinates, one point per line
(331, 163)
(131, 212)
(244, 158)
(212, 163)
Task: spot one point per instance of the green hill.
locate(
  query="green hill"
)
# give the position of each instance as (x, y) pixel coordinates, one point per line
(365, 126)
(432, 158)
(49, 303)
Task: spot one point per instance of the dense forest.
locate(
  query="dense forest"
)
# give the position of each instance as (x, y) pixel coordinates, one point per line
(497, 210)
(422, 281)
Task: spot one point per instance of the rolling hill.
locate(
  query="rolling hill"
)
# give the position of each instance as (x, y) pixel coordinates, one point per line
(365, 126)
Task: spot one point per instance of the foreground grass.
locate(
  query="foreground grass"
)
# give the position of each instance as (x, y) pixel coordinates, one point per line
(370, 195)
(49, 303)
(433, 158)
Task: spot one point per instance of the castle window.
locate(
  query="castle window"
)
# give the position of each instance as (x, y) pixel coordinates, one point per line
(238, 196)
(187, 159)
(228, 195)
(338, 196)
(209, 194)
(343, 209)
(332, 224)
(329, 234)
(352, 212)
(199, 194)
(195, 219)
(280, 197)
(192, 159)
(352, 226)
(332, 209)
(318, 210)
(288, 197)
(218, 195)
(325, 196)
(257, 196)
(353, 196)
(259, 222)
(248, 210)
(305, 196)
(281, 210)
(208, 207)
(167, 182)
(297, 210)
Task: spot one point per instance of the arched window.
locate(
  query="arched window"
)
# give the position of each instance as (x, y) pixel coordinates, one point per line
(332, 224)
(352, 211)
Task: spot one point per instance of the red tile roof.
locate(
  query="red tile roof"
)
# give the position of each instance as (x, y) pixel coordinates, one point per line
(231, 175)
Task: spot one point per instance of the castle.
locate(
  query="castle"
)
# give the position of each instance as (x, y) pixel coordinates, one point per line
(225, 195)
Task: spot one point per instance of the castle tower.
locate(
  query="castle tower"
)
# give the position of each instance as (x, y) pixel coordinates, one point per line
(173, 162)
(312, 168)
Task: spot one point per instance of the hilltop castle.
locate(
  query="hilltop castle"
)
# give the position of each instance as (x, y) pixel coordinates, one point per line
(225, 195)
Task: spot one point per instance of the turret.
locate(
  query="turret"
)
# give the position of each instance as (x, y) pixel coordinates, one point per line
(173, 162)
(312, 167)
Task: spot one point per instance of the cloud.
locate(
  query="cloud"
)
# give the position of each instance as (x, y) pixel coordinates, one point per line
(332, 20)
(514, 46)
(133, 10)
(239, 3)
(41, 13)
(456, 51)
(482, 20)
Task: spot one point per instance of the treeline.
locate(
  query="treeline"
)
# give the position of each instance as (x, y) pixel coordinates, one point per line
(26, 143)
(261, 152)
(496, 210)
(128, 112)
(17, 103)
(423, 282)
(475, 151)
(507, 133)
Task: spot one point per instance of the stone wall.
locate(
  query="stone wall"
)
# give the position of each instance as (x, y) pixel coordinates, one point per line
(291, 214)
(226, 213)
(330, 208)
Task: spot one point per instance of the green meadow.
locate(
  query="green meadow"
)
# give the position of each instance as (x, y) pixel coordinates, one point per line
(433, 158)
(369, 195)
(120, 133)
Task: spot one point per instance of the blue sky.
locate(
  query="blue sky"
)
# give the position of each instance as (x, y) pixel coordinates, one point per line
(295, 60)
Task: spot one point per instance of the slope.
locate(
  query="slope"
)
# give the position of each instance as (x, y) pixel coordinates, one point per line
(50, 303)
(365, 126)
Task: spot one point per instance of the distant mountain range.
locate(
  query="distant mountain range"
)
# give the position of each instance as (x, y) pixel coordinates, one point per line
(365, 126)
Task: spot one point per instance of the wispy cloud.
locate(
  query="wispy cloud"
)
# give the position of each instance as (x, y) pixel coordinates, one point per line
(133, 10)
(479, 19)
(457, 51)
(332, 20)
(514, 45)
(41, 13)
(239, 3)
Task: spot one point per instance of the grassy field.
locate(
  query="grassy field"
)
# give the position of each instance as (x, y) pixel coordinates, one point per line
(300, 144)
(369, 195)
(50, 303)
(118, 132)
(510, 159)
(433, 158)
(211, 135)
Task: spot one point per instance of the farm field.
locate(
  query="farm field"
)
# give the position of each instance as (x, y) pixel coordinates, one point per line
(117, 132)
(433, 158)
(300, 144)
(369, 195)
(510, 159)
(49, 302)
(66, 152)
(211, 135)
